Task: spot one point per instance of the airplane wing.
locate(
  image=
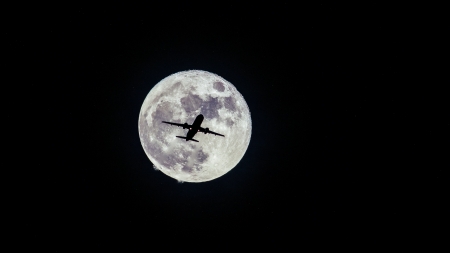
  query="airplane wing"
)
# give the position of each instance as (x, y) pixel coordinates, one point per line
(178, 124)
(207, 131)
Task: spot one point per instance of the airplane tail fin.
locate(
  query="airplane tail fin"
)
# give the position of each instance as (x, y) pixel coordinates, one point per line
(182, 137)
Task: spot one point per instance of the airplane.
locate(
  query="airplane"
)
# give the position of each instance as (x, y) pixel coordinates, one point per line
(194, 128)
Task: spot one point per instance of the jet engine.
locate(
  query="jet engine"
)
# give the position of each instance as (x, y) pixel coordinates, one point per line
(185, 125)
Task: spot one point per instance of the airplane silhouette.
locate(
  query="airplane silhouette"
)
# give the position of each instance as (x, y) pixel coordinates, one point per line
(193, 129)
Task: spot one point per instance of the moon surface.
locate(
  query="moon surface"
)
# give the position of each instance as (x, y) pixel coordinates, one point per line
(180, 98)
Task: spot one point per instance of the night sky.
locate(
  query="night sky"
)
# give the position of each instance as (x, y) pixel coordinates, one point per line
(340, 134)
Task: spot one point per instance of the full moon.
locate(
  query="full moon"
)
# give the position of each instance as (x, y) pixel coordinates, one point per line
(180, 98)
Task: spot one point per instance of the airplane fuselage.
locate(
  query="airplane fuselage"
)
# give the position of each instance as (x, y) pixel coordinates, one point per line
(195, 127)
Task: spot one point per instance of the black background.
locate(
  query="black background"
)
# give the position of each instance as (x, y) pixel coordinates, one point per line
(342, 138)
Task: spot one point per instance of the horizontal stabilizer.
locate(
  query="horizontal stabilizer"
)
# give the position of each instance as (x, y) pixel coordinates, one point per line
(182, 137)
